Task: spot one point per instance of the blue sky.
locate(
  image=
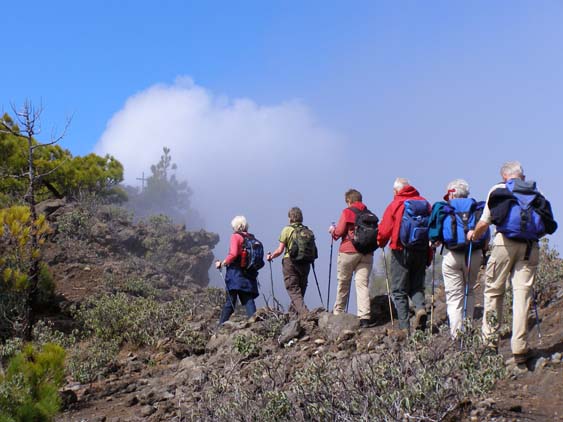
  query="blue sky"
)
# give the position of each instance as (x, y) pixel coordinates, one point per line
(366, 90)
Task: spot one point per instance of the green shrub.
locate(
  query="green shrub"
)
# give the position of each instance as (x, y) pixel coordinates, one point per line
(135, 320)
(75, 224)
(91, 359)
(29, 389)
(46, 285)
(12, 309)
(215, 296)
(9, 349)
(272, 324)
(140, 287)
(248, 345)
(113, 213)
(277, 408)
(193, 340)
(118, 317)
(550, 272)
(158, 243)
(43, 333)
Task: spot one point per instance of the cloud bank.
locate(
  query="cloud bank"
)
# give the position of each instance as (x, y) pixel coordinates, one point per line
(239, 157)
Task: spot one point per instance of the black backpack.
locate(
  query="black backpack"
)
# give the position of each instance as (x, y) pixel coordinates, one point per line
(365, 230)
(252, 255)
(303, 248)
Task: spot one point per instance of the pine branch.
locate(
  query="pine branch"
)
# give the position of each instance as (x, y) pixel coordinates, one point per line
(58, 166)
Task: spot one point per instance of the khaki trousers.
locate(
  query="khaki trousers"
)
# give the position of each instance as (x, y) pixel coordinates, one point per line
(454, 270)
(508, 264)
(360, 265)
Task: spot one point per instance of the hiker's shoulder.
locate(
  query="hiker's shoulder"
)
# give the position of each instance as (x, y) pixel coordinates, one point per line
(355, 207)
(496, 187)
(286, 231)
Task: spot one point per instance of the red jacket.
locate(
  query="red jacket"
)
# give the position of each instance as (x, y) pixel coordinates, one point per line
(235, 248)
(390, 224)
(345, 228)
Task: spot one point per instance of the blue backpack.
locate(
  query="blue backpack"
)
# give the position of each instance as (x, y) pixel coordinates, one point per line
(522, 222)
(252, 255)
(413, 232)
(462, 214)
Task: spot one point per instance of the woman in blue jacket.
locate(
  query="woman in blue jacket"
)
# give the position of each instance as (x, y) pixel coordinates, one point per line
(241, 283)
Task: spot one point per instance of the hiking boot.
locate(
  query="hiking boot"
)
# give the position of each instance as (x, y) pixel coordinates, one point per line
(420, 318)
(366, 323)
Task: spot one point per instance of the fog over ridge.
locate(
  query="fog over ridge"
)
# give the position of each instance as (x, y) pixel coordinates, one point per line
(239, 157)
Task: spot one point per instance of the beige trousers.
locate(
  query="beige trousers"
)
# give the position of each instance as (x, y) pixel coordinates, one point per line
(507, 264)
(454, 272)
(361, 265)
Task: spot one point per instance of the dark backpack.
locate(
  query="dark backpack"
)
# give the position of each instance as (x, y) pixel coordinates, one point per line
(365, 230)
(252, 255)
(413, 232)
(462, 214)
(303, 247)
(523, 221)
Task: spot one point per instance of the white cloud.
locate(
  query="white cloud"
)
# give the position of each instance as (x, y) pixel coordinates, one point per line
(238, 156)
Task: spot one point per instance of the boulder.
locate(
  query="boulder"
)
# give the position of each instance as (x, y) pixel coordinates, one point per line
(290, 331)
(49, 206)
(334, 325)
(68, 398)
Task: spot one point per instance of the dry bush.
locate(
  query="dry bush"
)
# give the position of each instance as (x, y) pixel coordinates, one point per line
(427, 378)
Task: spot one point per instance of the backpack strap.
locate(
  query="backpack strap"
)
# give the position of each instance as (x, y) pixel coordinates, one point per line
(528, 250)
(294, 226)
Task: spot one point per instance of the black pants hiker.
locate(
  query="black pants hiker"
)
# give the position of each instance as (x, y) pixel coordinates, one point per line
(408, 271)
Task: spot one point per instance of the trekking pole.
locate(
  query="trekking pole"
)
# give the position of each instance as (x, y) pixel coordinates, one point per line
(317, 282)
(536, 312)
(467, 281)
(227, 288)
(274, 300)
(432, 297)
(466, 294)
(388, 290)
(329, 271)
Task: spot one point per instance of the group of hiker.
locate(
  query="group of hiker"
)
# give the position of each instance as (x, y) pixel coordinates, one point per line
(414, 230)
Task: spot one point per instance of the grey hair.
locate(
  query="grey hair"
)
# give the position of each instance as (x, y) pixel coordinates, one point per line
(400, 183)
(239, 224)
(459, 188)
(512, 169)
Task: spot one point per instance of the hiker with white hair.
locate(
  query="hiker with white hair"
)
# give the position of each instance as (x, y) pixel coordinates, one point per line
(450, 221)
(405, 227)
(522, 216)
(241, 282)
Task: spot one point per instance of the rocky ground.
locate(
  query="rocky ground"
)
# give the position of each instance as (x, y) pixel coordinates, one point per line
(169, 381)
(94, 243)
(163, 384)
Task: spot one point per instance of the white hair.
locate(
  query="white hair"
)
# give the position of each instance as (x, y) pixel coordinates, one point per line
(400, 183)
(458, 188)
(239, 223)
(511, 170)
